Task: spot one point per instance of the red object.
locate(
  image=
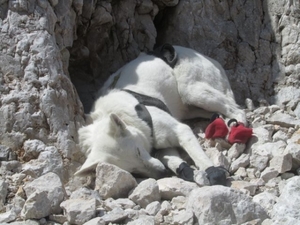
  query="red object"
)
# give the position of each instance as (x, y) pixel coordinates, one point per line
(239, 134)
(216, 129)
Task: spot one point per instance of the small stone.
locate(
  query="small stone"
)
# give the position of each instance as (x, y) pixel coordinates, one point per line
(171, 187)
(95, 221)
(115, 216)
(45, 193)
(153, 208)
(146, 192)
(183, 217)
(259, 162)
(241, 172)
(266, 200)
(200, 178)
(281, 163)
(111, 181)
(269, 173)
(178, 202)
(236, 150)
(242, 161)
(244, 185)
(79, 211)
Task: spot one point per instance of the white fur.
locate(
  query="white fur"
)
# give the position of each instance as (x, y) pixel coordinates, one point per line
(196, 87)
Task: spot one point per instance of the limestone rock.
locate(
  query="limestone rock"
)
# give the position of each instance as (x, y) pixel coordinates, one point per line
(3, 192)
(79, 211)
(172, 186)
(153, 208)
(111, 181)
(183, 217)
(242, 161)
(146, 192)
(218, 204)
(281, 163)
(114, 216)
(287, 205)
(251, 188)
(266, 200)
(44, 193)
(95, 221)
(269, 173)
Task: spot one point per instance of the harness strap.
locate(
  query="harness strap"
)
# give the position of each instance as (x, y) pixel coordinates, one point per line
(149, 101)
(141, 109)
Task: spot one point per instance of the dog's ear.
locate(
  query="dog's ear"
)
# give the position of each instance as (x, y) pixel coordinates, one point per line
(117, 126)
(169, 54)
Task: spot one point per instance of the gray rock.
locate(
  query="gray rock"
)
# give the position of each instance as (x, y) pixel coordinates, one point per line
(269, 173)
(153, 208)
(223, 205)
(32, 149)
(282, 163)
(95, 221)
(3, 192)
(146, 192)
(236, 150)
(266, 200)
(200, 178)
(172, 186)
(259, 162)
(44, 193)
(146, 220)
(111, 181)
(115, 216)
(178, 203)
(183, 217)
(283, 119)
(217, 157)
(86, 194)
(293, 149)
(79, 211)
(5, 153)
(244, 185)
(125, 203)
(270, 149)
(287, 205)
(48, 160)
(242, 161)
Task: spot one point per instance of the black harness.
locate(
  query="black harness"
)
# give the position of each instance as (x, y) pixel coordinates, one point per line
(141, 109)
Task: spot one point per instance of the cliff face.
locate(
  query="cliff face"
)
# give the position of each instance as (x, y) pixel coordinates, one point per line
(55, 54)
(255, 41)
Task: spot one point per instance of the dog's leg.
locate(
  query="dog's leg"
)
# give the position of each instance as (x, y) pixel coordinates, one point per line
(150, 166)
(171, 159)
(190, 144)
(170, 133)
(208, 98)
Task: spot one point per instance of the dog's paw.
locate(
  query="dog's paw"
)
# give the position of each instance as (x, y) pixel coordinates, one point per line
(216, 175)
(185, 172)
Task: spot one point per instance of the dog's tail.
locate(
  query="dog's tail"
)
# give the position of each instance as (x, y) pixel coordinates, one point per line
(167, 53)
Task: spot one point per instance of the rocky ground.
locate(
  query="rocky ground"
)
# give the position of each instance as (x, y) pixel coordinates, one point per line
(263, 186)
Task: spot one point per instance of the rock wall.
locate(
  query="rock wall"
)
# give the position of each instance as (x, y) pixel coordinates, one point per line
(110, 34)
(38, 101)
(255, 41)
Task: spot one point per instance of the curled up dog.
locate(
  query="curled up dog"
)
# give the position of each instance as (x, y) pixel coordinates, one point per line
(140, 108)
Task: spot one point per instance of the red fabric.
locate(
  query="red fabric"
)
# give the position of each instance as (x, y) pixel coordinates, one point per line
(216, 129)
(239, 134)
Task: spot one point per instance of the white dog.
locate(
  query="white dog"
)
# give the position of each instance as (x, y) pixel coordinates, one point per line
(150, 95)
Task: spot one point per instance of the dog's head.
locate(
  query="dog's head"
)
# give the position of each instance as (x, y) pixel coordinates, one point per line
(110, 140)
